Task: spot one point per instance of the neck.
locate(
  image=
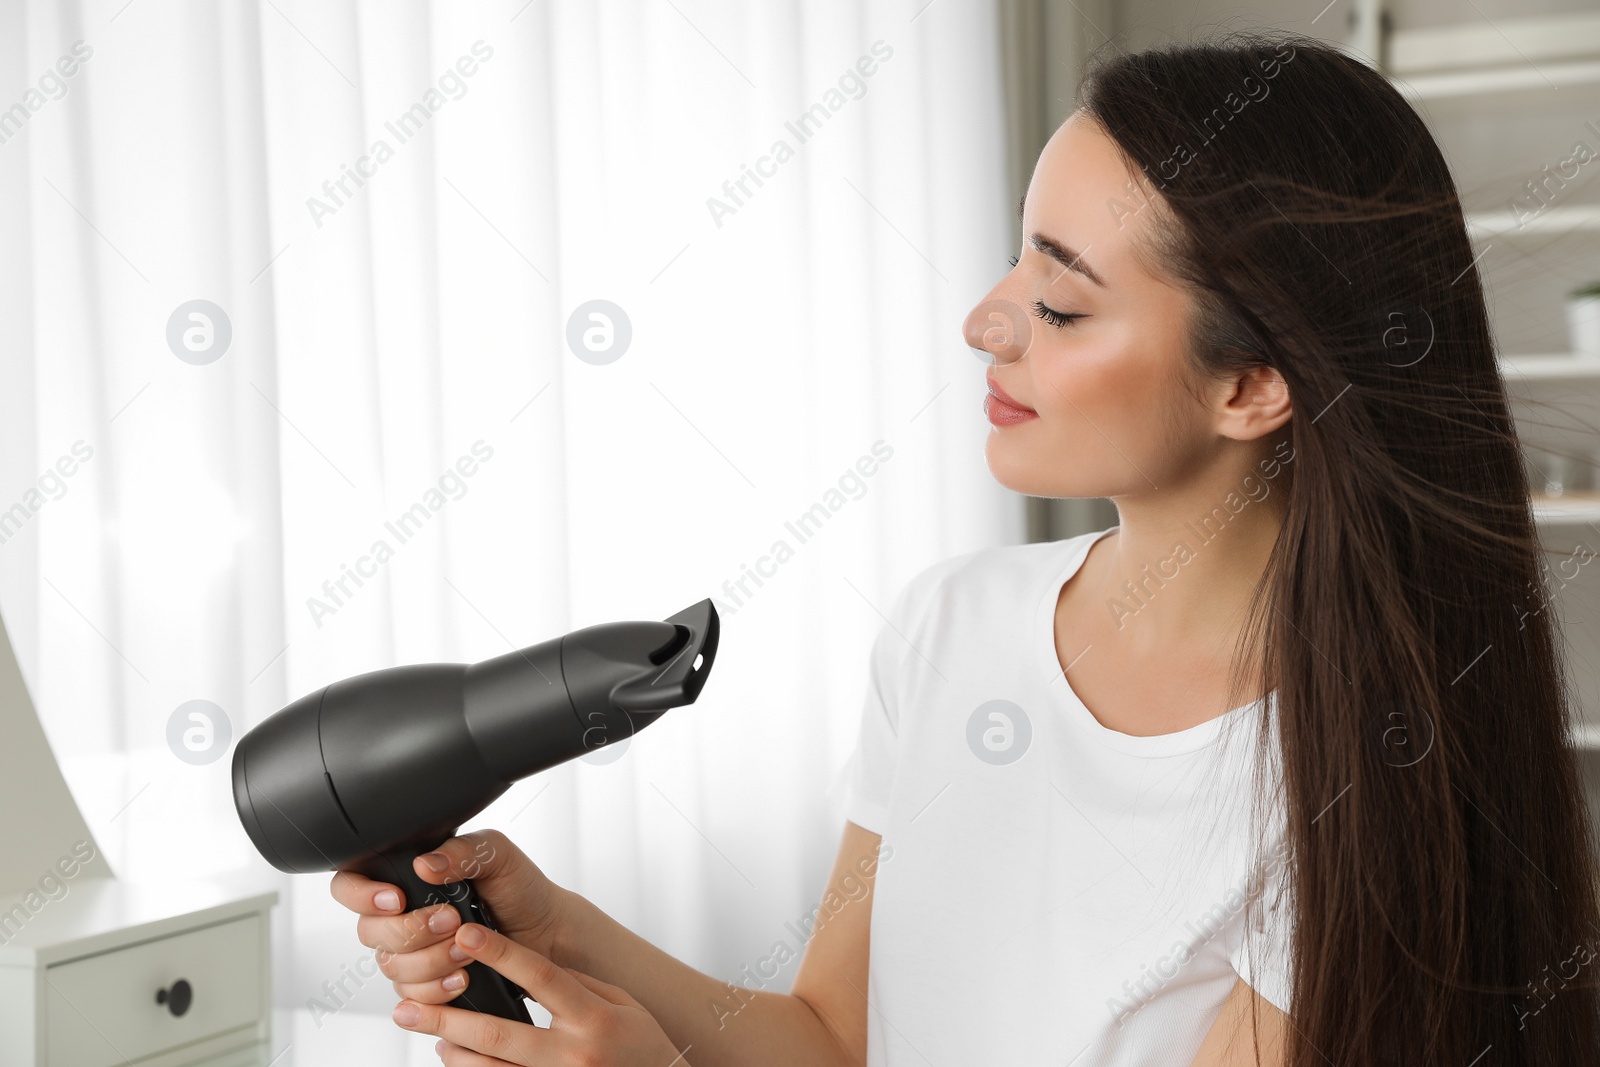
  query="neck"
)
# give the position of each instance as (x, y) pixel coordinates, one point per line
(1181, 569)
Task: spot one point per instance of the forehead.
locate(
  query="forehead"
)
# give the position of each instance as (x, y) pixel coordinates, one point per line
(1085, 194)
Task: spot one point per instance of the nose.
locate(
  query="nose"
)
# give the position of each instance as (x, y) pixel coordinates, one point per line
(998, 330)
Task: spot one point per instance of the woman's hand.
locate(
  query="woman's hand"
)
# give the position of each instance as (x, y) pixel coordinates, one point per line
(416, 950)
(592, 1023)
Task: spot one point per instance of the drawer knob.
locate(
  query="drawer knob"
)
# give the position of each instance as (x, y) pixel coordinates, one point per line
(178, 998)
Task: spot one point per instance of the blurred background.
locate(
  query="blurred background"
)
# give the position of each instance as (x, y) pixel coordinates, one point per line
(348, 334)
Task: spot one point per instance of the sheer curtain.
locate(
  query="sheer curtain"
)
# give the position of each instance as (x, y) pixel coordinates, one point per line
(305, 290)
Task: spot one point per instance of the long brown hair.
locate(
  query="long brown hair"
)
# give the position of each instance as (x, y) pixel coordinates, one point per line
(1444, 894)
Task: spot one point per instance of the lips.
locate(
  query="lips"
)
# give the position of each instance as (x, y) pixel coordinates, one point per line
(1001, 395)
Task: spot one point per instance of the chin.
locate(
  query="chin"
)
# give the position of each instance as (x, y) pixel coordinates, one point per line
(1018, 472)
(1027, 471)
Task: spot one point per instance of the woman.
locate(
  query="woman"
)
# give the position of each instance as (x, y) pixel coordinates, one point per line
(1274, 770)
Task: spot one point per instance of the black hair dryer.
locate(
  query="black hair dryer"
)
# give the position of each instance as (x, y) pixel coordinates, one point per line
(367, 773)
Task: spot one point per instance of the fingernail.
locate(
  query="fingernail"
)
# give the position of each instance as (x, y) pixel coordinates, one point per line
(388, 900)
(454, 982)
(405, 1013)
(436, 861)
(444, 920)
(459, 954)
(473, 936)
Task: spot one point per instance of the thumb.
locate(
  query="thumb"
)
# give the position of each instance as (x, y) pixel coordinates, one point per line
(479, 854)
(604, 990)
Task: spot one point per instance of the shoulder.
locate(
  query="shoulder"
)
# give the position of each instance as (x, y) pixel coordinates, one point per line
(996, 575)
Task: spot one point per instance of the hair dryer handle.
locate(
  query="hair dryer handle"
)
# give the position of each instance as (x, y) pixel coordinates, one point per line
(488, 991)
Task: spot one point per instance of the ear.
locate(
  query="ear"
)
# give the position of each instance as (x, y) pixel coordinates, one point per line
(1253, 404)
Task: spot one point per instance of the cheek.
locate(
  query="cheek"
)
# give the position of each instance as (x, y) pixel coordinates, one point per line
(1118, 413)
(1084, 389)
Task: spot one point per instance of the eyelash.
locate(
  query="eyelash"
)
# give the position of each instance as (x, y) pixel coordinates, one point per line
(1051, 315)
(1054, 317)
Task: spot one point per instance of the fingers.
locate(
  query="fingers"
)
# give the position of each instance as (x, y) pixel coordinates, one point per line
(473, 855)
(490, 1035)
(364, 896)
(604, 990)
(562, 995)
(456, 1056)
(427, 964)
(435, 991)
(408, 932)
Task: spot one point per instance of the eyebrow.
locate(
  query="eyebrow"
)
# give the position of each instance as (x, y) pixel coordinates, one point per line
(1068, 257)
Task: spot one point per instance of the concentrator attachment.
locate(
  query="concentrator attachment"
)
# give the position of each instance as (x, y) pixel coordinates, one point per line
(371, 771)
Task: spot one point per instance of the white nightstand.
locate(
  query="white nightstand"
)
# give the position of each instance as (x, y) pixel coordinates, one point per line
(300, 1038)
(114, 974)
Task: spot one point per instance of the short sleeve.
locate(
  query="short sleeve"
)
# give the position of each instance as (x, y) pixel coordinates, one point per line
(1264, 958)
(861, 788)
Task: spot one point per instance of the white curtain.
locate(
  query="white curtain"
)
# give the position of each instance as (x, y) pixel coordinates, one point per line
(393, 209)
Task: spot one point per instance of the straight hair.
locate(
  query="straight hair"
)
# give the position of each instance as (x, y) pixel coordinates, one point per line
(1438, 851)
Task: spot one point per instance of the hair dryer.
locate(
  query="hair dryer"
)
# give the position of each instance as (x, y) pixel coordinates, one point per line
(369, 772)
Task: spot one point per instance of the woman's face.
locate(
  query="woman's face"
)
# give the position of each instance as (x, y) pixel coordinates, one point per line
(1112, 416)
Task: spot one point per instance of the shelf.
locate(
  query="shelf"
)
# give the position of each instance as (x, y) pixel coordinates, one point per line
(1462, 86)
(1552, 220)
(1577, 506)
(1559, 366)
(1462, 78)
(1483, 58)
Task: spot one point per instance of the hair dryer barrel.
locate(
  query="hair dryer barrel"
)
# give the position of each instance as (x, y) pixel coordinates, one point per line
(397, 759)
(535, 708)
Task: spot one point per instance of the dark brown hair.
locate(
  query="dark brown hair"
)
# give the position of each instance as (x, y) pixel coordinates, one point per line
(1444, 900)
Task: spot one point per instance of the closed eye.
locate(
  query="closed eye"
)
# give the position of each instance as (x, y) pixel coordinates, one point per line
(1054, 317)
(1050, 314)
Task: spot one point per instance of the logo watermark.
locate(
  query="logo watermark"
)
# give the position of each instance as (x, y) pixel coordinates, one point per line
(51, 887)
(599, 332)
(1211, 922)
(1253, 89)
(451, 485)
(1544, 989)
(1137, 595)
(998, 732)
(758, 975)
(851, 485)
(736, 192)
(1005, 328)
(1540, 192)
(1558, 578)
(52, 86)
(1402, 732)
(451, 85)
(339, 991)
(51, 485)
(198, 732)
(199, 332)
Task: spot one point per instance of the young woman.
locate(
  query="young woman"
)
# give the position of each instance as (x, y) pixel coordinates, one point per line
(1274, 770)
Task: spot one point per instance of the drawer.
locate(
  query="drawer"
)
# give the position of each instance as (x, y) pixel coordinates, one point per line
(101, 1011)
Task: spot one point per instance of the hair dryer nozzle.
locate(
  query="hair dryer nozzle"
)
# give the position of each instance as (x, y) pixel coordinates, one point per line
(537, 707)
(685, 660)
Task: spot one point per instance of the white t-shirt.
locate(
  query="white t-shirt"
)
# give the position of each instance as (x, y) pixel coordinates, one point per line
(1051, 891)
